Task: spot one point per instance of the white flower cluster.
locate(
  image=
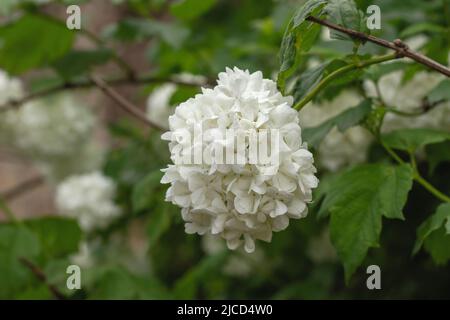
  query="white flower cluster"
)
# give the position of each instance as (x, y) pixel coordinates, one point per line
(55, 133)
(408, 98)
(52, 127)
(88, 198)
(338, 149)
(239, 202)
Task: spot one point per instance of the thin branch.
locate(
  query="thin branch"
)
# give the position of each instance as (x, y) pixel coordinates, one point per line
(88, 83)
(22, 188)
(425, 107)
(397, 45)
(124, 103)
(39, 274)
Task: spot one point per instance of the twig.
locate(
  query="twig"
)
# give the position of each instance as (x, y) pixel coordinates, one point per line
(88, 83)
(397, 45)
(22, 187)
(124, 103)
(39, 274)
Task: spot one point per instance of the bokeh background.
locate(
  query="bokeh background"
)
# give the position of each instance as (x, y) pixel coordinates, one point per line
(145, 253)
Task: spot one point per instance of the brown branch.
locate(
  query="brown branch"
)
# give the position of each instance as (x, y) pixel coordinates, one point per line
(39, 274)
(124, 103)
(397, 45)
(88, 83)
(22, 188)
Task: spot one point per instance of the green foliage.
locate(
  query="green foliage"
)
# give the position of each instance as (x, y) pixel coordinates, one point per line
(346, 14)
(58, 237)
(134, 29)
(16, 242)
(159, 222)
(49, 41)
(76, 63)
(191, 9)
(146, 254)
(346, 119)
(440, 93)
(412, 139)
(189, 284)
(144, 192)
(437, 153)
(299, 37)
(357, 201)
(434, 235)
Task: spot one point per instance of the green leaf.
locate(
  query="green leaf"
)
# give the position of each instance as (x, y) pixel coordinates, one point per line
(144, 192)
(437, 245)
(57, 236)
(76, 63)
(187, 286)
(308, 80)
(346, 14)
(433, 223)
(299, 37)
(440, 93)
(159, 223)
(191, 9)
(424, 27)
(15, 242)
(437, 153)
(412, 139)
(342, 121)
(376, 71)
(357, 200)
(32, 41)
(135, 29)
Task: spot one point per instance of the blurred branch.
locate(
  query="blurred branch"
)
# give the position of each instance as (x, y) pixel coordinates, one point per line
(89, 83)
(401, 49)
(425, 107)
(23, 187)
(39, 274)
(124, 103)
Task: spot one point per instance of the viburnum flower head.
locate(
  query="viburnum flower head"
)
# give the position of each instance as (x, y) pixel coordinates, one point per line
(240, 201)
(90, 199)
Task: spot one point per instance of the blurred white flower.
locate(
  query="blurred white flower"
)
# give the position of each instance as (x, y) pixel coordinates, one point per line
(90, 199)
(338, 149)
(158, 103)
(239, 202)
(408, 98)
(56, 134)
(51, 127)
(10, 88)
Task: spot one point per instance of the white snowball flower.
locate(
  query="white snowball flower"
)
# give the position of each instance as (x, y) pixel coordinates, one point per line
(238, 202)
(90, 199)
(408, 98)
(338, 149)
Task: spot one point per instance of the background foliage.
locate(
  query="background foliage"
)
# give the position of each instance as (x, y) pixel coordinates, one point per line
(370, 213)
